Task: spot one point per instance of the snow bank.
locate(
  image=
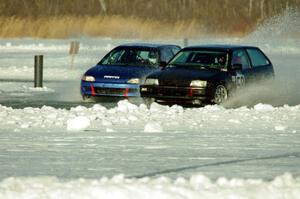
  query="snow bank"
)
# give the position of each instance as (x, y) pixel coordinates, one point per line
(156, 119)
(118, 187)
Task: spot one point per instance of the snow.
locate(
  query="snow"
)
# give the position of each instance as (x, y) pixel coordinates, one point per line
(198, 186)
(157, 118)
(263, 107)
(78, 123)
(153, 127)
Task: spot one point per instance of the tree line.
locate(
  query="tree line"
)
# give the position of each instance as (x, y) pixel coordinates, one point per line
(153, 9)
(211, 16)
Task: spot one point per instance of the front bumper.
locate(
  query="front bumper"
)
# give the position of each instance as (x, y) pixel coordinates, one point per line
(169, 94)
(108, 89)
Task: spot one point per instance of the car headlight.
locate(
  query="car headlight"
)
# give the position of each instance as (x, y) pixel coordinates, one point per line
(151, 81)
(88, 78)
(134, 81)
(198, 83)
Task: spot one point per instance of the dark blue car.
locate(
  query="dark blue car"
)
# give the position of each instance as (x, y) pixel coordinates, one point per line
(207, 74)
(123, 69)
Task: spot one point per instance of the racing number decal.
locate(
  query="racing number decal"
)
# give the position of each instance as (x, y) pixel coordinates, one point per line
(239, 80)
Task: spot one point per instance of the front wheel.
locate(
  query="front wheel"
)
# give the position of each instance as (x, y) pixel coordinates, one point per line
(220, 94)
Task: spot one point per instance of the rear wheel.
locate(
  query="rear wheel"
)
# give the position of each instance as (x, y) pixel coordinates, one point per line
(220, 94)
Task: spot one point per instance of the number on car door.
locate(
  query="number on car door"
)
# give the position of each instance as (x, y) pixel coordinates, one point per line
(240, 57)
(239, 80)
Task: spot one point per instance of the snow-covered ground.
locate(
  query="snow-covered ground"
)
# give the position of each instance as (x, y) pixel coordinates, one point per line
(131, 151)
(248, 149)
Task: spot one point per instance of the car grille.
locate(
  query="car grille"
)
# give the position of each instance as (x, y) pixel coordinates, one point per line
(113, 91)
(173, 92)
(174, 82)
(170, 91)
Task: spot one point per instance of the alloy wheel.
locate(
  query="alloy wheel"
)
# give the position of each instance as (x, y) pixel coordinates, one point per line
(221, 94)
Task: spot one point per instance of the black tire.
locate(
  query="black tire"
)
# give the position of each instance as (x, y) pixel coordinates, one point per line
(220, 95)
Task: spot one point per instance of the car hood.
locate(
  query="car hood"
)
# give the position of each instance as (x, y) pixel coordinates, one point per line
(183, 76)
(119, 74)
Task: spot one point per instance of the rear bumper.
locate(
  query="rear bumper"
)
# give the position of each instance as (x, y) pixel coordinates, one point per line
(105, 89)
(168, 94)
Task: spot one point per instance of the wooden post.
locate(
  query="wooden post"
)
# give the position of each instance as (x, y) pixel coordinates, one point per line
(74, 49)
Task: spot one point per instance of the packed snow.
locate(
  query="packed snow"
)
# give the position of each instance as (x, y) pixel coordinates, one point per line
(198, 186)
(54, 145)
(156, 119)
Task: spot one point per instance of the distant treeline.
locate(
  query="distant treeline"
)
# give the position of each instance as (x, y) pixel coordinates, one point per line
(225, 16)
(153, 9)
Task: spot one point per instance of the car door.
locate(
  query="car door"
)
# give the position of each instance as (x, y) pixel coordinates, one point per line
(261, 65)
(243, 76)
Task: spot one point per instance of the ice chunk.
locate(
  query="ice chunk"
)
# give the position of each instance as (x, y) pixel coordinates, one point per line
(79, 109)
(280, 128)
(108, 130)
(78, 123)
(125, 106)
(263, 107)
(153, 127)
(98, 107)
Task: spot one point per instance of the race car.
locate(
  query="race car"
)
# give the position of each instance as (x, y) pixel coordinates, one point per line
(123, 69)
(206, 74)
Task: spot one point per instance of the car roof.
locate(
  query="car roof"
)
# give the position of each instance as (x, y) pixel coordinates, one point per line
(147, 45)
(218, 47)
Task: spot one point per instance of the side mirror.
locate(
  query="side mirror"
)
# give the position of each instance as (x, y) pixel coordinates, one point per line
(162, 64)
(237, 67)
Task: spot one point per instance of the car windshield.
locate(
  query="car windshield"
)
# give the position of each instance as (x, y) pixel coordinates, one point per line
(201, 59)
(131, 56)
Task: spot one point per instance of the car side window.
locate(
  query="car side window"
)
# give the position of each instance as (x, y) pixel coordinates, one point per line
(175, 50)
(257, 58)
(240, 57)
(166, 54)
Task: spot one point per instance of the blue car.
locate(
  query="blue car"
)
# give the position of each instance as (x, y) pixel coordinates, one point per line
(123, 69)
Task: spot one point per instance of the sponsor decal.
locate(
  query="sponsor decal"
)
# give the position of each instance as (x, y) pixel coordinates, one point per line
(111, 77)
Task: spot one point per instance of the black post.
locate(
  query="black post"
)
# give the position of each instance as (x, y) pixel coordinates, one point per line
(38, 71)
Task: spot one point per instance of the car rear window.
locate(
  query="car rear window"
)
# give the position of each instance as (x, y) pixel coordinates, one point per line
(257, 58)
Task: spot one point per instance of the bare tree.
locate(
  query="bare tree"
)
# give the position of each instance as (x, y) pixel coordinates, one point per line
(103, 5)
(262, 11)
(250, 8)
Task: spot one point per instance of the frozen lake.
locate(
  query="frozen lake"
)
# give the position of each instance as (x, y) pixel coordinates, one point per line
(52, 145)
